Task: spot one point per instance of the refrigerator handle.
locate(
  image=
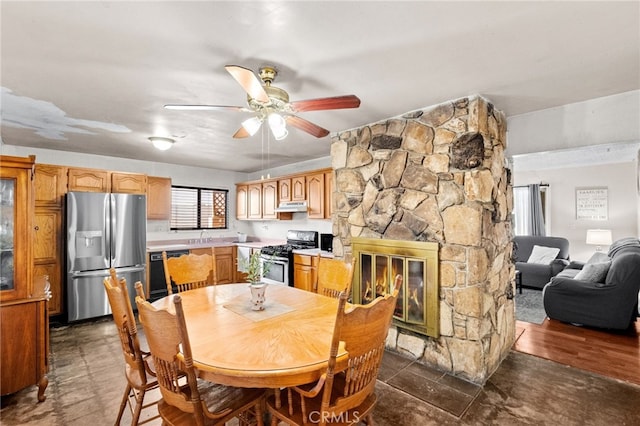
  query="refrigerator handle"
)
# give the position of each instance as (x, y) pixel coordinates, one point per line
(110, 222)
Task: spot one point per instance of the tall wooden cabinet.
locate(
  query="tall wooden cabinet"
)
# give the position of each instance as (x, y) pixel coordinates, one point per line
(23, 305)
(50, 185)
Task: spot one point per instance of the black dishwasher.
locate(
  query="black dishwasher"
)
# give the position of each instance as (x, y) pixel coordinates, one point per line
(157, 282)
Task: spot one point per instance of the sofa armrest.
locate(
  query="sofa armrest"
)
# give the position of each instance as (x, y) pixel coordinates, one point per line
(576, 264)
(558, 265)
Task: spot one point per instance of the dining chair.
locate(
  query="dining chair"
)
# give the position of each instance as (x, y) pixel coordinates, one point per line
(189, 271)
(138, 371)
(343, 395)
(334, 276)
(196, 402)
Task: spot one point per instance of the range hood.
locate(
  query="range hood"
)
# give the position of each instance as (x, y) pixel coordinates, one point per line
(292, 206)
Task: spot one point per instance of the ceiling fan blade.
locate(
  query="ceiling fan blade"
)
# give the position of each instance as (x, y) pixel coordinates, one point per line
(206, 107)
(336, 102)
(249, 82)
(241, 133)
(307, 126)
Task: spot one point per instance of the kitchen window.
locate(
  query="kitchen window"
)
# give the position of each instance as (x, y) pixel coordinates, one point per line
(198, 208)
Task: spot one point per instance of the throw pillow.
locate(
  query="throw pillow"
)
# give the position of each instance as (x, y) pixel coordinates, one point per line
(594, 272)
(543, 255)
(599, 257)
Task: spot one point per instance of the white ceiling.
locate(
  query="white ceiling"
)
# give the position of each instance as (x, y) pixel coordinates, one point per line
(92, 77)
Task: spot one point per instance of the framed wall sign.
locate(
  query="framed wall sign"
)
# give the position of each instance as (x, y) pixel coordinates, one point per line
(592, 203)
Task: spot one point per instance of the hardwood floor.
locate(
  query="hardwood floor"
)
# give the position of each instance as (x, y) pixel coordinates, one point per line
(612, 354)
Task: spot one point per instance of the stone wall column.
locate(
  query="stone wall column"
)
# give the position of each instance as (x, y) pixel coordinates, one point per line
(439, 175)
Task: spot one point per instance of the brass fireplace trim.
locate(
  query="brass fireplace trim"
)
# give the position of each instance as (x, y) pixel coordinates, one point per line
(427, 251)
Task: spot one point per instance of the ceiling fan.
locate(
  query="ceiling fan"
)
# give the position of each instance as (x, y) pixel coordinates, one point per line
(271, 104)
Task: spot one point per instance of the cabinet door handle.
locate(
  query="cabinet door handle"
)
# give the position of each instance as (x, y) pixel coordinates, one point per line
(37, 228)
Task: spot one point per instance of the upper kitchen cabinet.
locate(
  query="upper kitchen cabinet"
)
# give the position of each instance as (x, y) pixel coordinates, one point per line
(298, 188)
(284, 189)
(316, 196)
(89, 180)
(292, 189)
(242, 202)
(158, 198)
(269, 199)
(328, 194)
(254, 201)
(128, 183)
(50, 185)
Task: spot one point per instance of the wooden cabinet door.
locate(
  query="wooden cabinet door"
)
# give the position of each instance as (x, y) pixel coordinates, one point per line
(328, 194)
(315, 196)
(128, 183)
(158, 198)
(225, 265)
(19, 354)
(89, 180)
(47, 226)
(47, 253)
(242, 202)
(254, 201)
(16, 232)
(269, 200)
(50, 185)
(298, 188)
(304, 272)
(284, 190)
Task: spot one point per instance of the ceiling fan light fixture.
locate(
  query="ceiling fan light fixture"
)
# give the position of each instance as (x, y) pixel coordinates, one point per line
(162, 143)
(278, 126)
(252, 125)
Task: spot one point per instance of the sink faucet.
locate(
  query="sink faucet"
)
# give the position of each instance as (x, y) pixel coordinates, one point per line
(201, 234)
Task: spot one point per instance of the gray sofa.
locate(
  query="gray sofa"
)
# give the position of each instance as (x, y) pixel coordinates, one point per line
(611, 303)
(536, 275)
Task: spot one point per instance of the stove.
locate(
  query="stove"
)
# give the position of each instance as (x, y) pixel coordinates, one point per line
(280, 257)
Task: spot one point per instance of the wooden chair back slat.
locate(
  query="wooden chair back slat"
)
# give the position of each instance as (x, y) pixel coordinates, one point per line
(189, 271)
(334, 276)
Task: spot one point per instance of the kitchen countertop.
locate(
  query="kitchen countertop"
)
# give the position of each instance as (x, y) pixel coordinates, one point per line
(154, 246)
(313, 252)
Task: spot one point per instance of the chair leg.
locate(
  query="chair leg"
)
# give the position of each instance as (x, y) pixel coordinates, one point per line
(139, 396)
(123, 404)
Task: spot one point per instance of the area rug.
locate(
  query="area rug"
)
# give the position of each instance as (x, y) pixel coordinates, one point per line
(529, 306)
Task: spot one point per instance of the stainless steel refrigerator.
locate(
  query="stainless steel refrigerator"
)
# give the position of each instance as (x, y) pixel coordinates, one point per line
(103, 231)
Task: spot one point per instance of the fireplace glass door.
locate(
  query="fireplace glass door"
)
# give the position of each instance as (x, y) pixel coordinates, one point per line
(378, 279)
(380, 261)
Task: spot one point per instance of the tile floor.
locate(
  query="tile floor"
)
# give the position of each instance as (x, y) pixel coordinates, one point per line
(86, 382)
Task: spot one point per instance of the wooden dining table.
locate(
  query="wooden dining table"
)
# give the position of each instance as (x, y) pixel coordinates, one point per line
(286, 344)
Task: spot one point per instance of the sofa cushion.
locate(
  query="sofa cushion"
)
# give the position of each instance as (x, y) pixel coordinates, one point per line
(594, 272)
(543, 255)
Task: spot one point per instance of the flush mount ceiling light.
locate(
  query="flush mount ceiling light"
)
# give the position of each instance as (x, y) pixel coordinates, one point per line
(161, 143)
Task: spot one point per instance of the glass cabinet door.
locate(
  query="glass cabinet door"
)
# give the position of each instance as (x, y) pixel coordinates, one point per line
(7, 214)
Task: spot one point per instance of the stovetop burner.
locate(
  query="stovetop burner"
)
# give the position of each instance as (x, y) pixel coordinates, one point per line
(296, 240)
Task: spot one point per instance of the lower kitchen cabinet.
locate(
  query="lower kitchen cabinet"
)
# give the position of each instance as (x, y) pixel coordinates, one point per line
(225, 262)
(305, 272)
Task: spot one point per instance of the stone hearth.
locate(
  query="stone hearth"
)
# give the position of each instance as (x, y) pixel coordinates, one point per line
(438, 175)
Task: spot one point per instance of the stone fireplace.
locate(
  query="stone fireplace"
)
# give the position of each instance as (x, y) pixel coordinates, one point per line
(438, 175)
